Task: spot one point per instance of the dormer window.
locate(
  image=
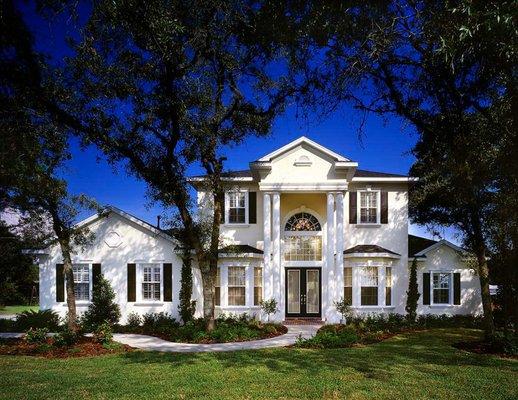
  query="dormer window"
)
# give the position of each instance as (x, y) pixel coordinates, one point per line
(369, 210)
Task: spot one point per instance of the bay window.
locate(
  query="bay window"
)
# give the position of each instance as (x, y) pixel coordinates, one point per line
(348, 285)
(258, 285)
(236, 286)
(217, 288)
(388, 286)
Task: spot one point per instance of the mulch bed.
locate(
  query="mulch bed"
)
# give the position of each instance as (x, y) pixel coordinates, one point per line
(482, 347)
(85, 347)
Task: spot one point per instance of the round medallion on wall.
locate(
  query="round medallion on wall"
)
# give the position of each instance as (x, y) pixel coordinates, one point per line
(112, 239)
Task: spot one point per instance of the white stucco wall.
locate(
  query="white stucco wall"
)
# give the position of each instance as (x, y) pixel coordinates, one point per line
(138, 245)
(445, 259)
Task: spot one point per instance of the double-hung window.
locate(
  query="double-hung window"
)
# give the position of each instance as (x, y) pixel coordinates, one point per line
(258, 285)
(441, 285)
(151, 282)
(81, 281)
(348, 285)
(217, 288)
(236, 286)
(369, 207)
(388, 286)
(237, 203)
(369, 286)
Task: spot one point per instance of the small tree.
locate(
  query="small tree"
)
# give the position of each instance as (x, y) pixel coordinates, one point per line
(269, 307)
(187, 307)
(343, 308)
(412, 294)
(103, 308)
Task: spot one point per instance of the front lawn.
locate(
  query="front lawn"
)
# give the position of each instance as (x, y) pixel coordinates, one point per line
(410, 366)
(9, 310)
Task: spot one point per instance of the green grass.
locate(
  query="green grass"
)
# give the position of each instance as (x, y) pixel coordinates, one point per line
(411, 366)
(17, 309)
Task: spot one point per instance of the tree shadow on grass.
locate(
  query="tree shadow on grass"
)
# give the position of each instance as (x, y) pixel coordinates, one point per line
(420, 350)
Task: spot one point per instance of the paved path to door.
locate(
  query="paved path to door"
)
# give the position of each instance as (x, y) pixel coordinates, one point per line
(151, 343)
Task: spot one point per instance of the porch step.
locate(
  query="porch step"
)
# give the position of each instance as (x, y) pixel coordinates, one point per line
(303, 321)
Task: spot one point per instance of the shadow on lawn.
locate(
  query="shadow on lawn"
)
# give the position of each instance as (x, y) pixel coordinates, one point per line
(416, 350)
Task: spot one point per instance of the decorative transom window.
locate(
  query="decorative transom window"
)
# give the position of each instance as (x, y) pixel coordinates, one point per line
(369, 207)
(369, 286)
(303, 222)
(236, 286)
(151, 277)
(441, 284)
(237, 207)
(81, 281)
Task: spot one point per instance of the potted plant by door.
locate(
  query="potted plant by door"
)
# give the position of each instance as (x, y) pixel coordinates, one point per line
(344, 309)
(269, 307)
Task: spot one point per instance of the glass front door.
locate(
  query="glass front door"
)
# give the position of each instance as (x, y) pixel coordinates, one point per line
(303, 292)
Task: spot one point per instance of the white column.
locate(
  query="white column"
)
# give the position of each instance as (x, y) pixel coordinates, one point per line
(267, 234)
(339, 277)
(276, 237)
(328, 282)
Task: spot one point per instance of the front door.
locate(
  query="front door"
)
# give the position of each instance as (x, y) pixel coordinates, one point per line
(303, 292)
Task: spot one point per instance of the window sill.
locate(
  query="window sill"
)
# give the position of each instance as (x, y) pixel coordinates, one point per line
(149, 304)
(238, 307)
(441, 305)
(229, 225)
(82, 303)
(368, 225)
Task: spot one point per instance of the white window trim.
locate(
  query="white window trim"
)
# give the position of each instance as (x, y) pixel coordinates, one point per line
(391, 286)
(253, 267)
(247, 285)
(356, 304)
(227, 207)
(140, 278)
(450, 289)
(90, 289)
(359, 207)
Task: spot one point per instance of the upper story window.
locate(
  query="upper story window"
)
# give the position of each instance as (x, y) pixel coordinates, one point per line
(81, 281)
(237, 207)
(369, 207)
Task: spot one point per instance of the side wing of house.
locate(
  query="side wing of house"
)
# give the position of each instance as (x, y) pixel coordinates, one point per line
(137, 259)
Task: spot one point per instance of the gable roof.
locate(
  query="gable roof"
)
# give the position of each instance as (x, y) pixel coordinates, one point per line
(369, 248)
(240, 250)
(419, 246)
(299, 141)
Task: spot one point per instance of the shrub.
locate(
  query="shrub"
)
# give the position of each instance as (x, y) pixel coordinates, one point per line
(37, 319)
(159, 322)
(329, 339)
(103, 334)
(66, 337)
(134, 320)
(103, 308)
(187, 307)
(36, 335)
(269, 307)
(506, 344)
(343, 308)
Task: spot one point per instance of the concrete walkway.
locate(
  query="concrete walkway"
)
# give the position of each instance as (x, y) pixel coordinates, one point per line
(151, 343)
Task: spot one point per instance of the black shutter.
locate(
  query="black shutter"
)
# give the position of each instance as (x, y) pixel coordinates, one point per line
(384, 207)
(352, 208)
(96, 274)
(456, 288)
(168, 282)
(223, 209)
(60, 283)
(252, 207)
(426, 288)
(132, 282)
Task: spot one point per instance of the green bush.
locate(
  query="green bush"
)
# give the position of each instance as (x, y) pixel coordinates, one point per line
(103, 308)
(159, 323)
(103, 334)
(328, 339)
(36, 335)
(66, 337)
(37, 319)
(506, 344)
(8, 325)
(134, 320)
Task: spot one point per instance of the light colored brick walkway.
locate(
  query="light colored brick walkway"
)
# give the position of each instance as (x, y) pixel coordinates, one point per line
(151, 343)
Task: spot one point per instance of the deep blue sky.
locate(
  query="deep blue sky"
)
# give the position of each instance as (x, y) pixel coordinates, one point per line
(384, 145)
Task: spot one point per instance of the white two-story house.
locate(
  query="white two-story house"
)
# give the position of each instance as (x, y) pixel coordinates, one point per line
(303, 225)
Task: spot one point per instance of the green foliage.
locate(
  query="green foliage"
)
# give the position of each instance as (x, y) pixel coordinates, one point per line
(103, 333)
(37, 319)
(187, 307)
(343, 308)
(269, 307)
(103, 308)
(134, 320)
(36, 335)
(65, 337)
(334, 336)
(505, 343)
(158, 323)
(412, 294)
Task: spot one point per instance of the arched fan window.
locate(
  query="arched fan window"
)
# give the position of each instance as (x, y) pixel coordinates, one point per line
(303, 222)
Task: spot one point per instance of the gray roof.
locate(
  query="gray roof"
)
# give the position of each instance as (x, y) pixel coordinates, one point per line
(369, 248)
(417, 244)
(239, 249)
(360, 173)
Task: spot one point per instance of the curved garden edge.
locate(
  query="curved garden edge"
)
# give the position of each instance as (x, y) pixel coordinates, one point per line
(152, 343)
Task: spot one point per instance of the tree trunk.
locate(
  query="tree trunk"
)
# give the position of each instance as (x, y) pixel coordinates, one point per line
(69, 275)
(483, 273)
(208, 280)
